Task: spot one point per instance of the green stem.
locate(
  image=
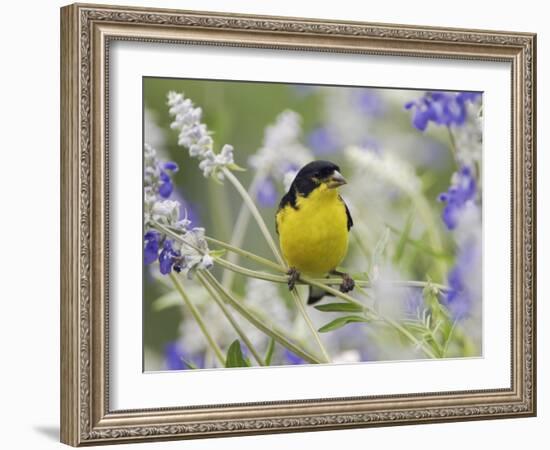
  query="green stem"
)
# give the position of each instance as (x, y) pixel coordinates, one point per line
(301, 307)
(255, 213)
(321, 283)
(277, 267)
(247, 254)
(284, 279)
(417, 244)
(372, 313)
(423, 209)
(249, 272)
(219, 207)
(453, 144)
(231, 320)
(419, 344)
(261, 323)
(239, 230)
(198, 318)
(448, 340)
(267, 235)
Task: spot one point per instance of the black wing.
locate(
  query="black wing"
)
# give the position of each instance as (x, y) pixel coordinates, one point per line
(288, 199)
(350, 220)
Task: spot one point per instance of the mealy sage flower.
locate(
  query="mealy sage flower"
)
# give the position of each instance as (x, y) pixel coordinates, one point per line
(462, 215)
(464, 281)
(469, 137)
(281, 148)
(195, 136)
(441, 108)
(157, 176)
(348, 119)
(191, 251)
(461, 192)
(386, 167)
(281, 154)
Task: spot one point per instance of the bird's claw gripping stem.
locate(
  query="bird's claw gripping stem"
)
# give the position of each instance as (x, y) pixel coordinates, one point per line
(347, 284)
(293, 276)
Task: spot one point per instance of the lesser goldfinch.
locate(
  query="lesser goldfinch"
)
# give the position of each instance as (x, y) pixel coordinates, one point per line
(313, 224)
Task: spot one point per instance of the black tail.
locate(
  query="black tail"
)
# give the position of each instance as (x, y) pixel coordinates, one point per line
(315, 294)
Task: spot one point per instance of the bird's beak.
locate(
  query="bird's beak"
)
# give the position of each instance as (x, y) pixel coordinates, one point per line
(336, 180)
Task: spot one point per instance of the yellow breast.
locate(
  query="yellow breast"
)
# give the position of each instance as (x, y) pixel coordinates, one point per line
(314, 237)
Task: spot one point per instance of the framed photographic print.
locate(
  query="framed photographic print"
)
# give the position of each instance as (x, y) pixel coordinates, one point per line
(277, 225)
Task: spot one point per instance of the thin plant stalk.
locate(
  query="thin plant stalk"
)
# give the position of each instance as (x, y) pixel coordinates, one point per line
(423, 209)
(239, 230)
(198, 318)
(261, 323)
(215, 296)
(255, 213)
(329, 281)
(448, 340)
(373, 314)
(321, 283)
(249, 255)
(279, 268)
(453, 144)
(269, 239)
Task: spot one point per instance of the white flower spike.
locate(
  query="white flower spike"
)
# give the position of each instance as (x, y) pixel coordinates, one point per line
(194, 135)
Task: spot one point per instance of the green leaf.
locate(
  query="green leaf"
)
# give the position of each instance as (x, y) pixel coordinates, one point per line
(235, 356)
(403, 239)
(218, 253)
(269, 352)
(431, 300)
(236, 167)
(339, 307)
(340, 322)
(214, 176)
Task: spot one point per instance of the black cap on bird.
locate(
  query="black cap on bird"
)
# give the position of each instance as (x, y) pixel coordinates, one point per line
(313, 174)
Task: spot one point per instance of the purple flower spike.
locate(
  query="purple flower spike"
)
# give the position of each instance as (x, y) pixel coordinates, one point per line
(293, 359)
(369, 102)
(166, 187)
(168, 257)
(267, 193)
(459, 299)
(441, 108)
(171, 165)
(151, 250)
(173, 357)
(322, 141)
(177, 358)
(468, 96)
(463, 190)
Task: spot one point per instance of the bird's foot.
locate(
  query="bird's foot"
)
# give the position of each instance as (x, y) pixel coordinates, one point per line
(293, 276)
(347, 284)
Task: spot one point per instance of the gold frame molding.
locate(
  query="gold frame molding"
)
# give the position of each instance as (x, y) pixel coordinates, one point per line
(86, 31)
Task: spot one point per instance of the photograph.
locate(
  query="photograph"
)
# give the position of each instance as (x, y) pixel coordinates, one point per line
(274, 224)
(291, 224)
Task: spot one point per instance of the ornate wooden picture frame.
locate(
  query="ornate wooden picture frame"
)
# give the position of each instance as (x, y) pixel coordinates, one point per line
(87, 31)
